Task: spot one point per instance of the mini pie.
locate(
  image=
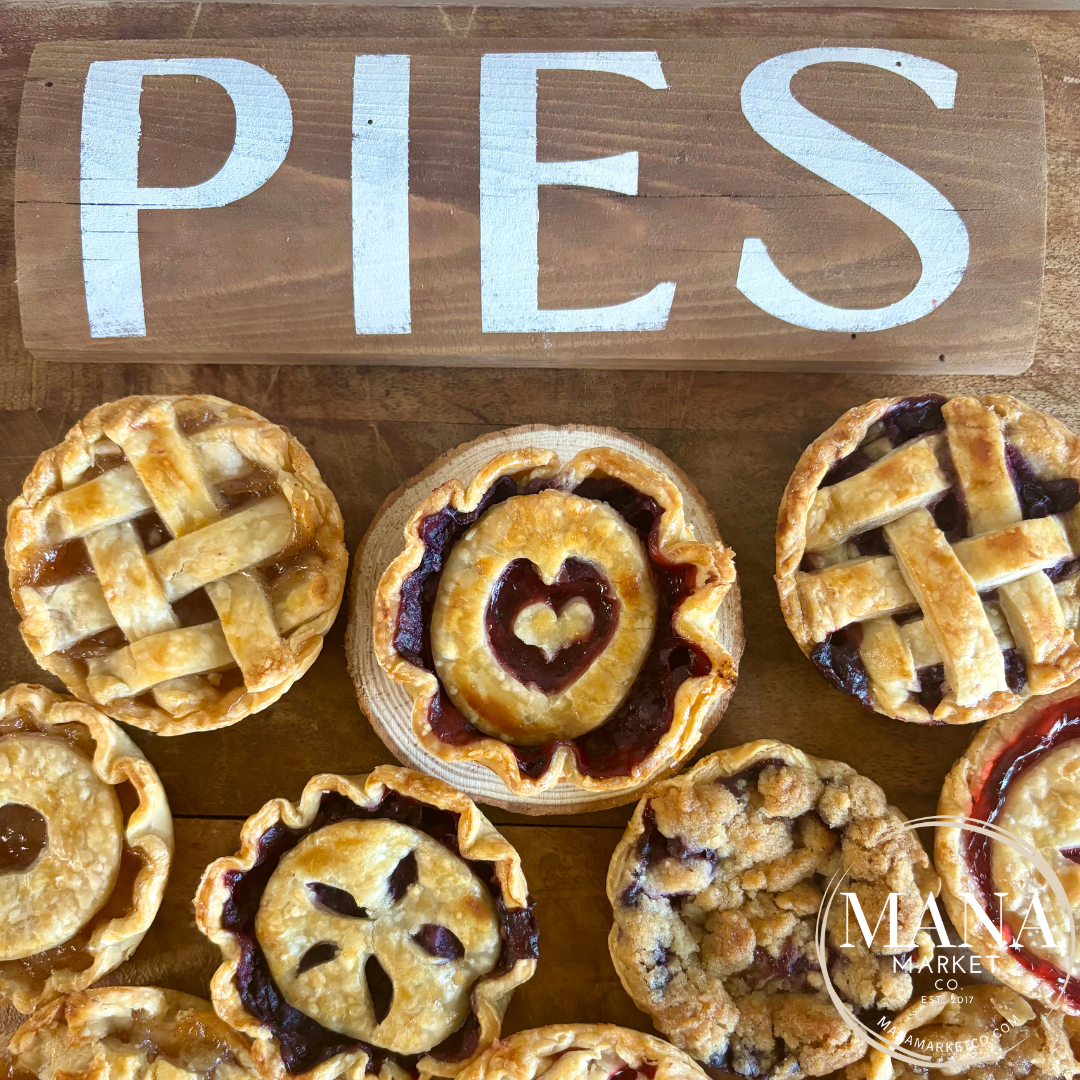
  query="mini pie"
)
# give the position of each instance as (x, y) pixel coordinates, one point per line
(86, 842)
(129, 1033)
(560, 623)
(583, 1052)
(716, 887)
(1021, 773)
(380, 924)
(982, 1031)
(926, 556)
(176, 561)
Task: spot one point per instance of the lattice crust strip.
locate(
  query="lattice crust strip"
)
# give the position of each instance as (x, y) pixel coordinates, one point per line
(967, 604)
(184, 460)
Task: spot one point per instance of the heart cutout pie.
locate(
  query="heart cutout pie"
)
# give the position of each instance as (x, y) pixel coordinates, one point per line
(549, 661)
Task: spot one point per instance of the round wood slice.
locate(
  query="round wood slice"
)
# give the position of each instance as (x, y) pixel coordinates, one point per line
(388, 704)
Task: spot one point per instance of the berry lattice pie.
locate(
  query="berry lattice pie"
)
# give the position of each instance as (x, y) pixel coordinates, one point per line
(716, 887)
(583, 1052)
(926, 556)
(176, 561)
(86, 842)
(560, 622)
(129, 1033)
(1021, 773)
(381, 924)
(983, 1031)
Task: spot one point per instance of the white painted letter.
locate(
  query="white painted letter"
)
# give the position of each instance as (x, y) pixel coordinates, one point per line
(1040, 918)
(905, 198)
(109, 190)
(864, 926)
(380, 195)
(510, 204)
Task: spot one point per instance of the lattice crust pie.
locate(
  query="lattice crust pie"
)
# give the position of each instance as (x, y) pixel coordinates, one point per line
(176, 561)
(583, 1052)
(380, 925)
(86, 841)
(1022, 774)
(926, 556)
(716, 887)
(560, 623)
(983, 1031)
(129, 1033)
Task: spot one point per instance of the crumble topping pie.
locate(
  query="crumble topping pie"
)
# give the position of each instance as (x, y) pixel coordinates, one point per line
(560, 622)
(927, 556)
(86, 842)
(380, 925)
(176, 561)
(129, 1033)
(1021, 773)
(583, 1052)
(980, 1032)
(716, 887)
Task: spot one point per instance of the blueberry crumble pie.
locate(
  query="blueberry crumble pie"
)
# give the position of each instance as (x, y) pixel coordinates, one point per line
(381, 925)
(927, 556)
(560, 623)
(716, 887)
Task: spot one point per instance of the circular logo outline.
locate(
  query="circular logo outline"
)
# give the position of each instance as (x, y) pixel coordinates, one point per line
(876, 1040)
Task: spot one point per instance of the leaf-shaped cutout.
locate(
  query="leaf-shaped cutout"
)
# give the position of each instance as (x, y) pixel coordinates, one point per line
(403, 875)
(439, 941)
(320, 953)
(380, 988)
(339, 901)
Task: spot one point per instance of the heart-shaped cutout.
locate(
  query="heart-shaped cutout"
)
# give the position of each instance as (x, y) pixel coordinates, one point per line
(537, 624)
(549, 651)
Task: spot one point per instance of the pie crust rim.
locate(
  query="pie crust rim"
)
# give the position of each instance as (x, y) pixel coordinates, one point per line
(521, 1056)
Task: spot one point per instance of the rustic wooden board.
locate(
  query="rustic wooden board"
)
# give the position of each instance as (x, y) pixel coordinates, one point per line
(737, 435)
(270, 277)
(388, 704)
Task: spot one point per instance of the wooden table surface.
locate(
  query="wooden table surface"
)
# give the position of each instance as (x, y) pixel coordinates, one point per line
(736, 435)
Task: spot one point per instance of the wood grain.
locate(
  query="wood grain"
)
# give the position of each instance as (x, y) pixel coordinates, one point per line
(270, 275)
(388, 704)
(738, 435)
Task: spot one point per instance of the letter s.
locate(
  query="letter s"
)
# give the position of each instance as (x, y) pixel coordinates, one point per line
(905, 198)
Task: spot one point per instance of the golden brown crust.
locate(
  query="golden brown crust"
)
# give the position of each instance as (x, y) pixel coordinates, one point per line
(581, 1052)
(119, 1032)
(729, 971)
(984, 1031)
(303, 603)
(699, 701)
(813, 604)
(477, 840)
(957, 800)
(147, 832)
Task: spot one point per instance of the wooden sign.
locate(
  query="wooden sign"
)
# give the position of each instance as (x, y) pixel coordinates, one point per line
(727, 203)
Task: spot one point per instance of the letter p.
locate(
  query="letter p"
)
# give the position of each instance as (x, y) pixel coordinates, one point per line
(109, 192)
